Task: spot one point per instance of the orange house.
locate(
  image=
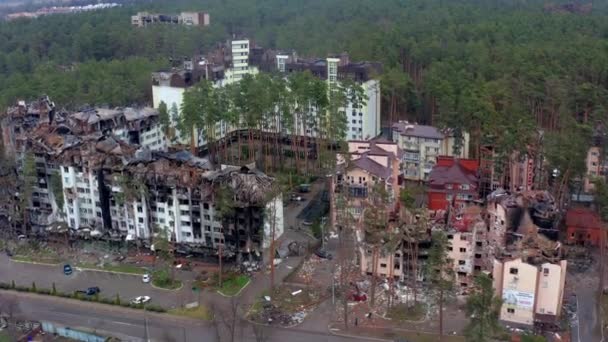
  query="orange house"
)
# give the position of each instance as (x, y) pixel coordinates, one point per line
(583, 227)
(452, 181)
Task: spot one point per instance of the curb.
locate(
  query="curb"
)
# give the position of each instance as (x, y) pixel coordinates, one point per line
(110, 307)
(329, 327)
(333, 331)
(236, 294)
(35, 262)
(106, 271)
(163, 289)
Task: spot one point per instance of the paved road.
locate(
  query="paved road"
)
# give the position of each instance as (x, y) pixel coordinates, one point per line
(128, 286)
(129, 324)
(587, 316)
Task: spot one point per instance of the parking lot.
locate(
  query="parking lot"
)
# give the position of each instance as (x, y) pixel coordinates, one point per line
(127, 286)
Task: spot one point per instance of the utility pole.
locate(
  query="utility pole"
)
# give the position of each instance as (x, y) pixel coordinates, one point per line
(146, 332)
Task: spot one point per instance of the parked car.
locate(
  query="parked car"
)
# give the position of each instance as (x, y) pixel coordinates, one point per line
(67, 269)
(91, 291)
(140, 300)
(145, 278)
(323, 254)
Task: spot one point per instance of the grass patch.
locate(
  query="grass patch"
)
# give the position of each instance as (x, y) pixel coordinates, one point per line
(232, 284)
(200, 312)
(423, 337)
(36, 258)
(4, 337)
(162, 279)
(404, 312)
(124, 268)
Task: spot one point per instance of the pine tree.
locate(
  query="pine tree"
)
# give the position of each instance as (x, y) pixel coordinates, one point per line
(484, 309)
(439, 274)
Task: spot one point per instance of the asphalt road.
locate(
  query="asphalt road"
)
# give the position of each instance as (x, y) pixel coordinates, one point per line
(129, 325)
(126, 285)
(588, 321)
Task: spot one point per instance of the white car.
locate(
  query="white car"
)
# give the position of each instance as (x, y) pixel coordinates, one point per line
(145, 278)
(140, 300)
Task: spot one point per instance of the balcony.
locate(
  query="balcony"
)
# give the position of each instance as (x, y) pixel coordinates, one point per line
(410, 146)
(357, 191)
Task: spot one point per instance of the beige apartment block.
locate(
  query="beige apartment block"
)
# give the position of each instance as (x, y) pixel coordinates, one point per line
(529, 292)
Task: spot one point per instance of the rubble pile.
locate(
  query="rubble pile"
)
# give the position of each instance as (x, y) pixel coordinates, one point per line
(305, 274)
(272, 314)
(289, 305)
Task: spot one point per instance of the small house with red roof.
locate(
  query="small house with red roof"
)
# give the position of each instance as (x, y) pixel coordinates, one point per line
(583, 227)
(453, 181)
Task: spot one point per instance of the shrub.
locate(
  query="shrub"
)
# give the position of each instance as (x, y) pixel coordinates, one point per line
(54, 290)
(33, 289)
(5, 286)
(44, 291)
(155, 308)
(117, 299)
(22, 288)
(107, 301)
(12, 284)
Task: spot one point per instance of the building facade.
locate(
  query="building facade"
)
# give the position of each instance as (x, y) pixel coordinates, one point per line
(106, 171)
(143, 19)
(530, 293)
(423, 144)
(583, 227)
(594, 169)
(452, 183)
(230, 62)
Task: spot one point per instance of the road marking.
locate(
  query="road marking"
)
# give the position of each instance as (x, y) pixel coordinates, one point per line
(127, 324)
(115, 322)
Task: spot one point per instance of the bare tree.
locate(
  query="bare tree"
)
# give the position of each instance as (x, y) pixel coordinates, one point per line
(261, 332)
(227, 320)
(9, 306)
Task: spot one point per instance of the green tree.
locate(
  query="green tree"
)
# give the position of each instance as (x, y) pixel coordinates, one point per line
(439, 275)
(225, 207)
(56, 186)
(484, 309)
(163, 117)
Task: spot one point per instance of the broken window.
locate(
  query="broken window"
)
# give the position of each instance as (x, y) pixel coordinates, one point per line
(510, 310)
(513, 270)
(461, 262)
(463, 250)
(383, 265)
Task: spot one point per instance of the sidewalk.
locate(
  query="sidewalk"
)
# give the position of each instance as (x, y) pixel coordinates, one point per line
(389, 334)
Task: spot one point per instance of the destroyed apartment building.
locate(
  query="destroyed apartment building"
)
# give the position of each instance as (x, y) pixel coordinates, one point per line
(529, 269)
(106, 172)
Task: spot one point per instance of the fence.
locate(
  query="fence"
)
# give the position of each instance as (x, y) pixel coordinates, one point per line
(68, 332)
